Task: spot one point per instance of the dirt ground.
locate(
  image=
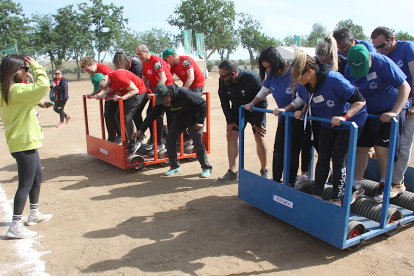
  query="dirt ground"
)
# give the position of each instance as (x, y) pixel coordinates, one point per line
(108, 221)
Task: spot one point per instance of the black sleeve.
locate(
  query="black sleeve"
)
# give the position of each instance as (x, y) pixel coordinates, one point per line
(156, 110)
(200, 106)
(356, 97)
(136, 68)
(225, 103)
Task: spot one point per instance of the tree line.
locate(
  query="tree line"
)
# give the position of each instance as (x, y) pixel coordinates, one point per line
(76, 31)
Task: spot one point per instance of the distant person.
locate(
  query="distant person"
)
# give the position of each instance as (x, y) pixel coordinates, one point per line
(155, 71)
(238, 87)
(60, 85)
(345, 40)
(23, 136)
(402, 53)
(186, 70)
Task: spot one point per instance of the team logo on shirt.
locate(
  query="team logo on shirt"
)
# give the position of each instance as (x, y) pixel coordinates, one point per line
(400, 63)
(373, 85)
(186, 62)
(149, 72)
(330, 103)
(157, 65)
(183, 73)
(289, 90)
(243, 92)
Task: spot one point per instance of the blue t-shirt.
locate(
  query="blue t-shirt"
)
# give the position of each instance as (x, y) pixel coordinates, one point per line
(331, 100)
(402, 55)
(379, 87)
(280, 85)
(367, 44)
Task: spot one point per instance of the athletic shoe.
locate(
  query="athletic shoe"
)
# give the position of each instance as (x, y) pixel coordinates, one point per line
(133, 148)
(159, 147)
(206, 173)
(356, 193)
(20, 233)
(40, 217)
(396, 190)
(173, 171)
(379, 191)
(230, 175)
(67, 119)
(60, 124)
(336, 202)
(302, 181)
(141, 138)
(118, 140)
(264, 173)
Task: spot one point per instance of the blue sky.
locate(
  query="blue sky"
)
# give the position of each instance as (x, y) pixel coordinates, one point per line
(278, 18)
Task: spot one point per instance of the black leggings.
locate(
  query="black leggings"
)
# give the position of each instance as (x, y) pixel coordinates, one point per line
(30, 178)
(58, 108)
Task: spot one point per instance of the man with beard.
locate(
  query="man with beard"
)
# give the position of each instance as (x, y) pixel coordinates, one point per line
(240, 87)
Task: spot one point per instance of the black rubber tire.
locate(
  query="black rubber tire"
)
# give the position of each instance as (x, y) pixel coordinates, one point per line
(161, 155)
(138, 160)
(355, 228)
(393, 215)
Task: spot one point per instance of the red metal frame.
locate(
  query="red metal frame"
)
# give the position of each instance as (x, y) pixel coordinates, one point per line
(116, 154)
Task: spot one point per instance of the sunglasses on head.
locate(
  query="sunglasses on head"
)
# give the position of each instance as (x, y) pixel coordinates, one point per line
(25, 68)
(381, 45)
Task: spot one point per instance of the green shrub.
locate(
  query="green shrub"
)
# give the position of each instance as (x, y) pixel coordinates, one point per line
(209, 66)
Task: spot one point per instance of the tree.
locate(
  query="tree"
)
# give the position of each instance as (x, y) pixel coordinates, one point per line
(156, 40)
(356, 30)
(252, 39)
(127, 42)
(403, 36)
(318, 31)
(14, 27)
(289, 41)
(214, 18)
(108, 21)
(45, 38)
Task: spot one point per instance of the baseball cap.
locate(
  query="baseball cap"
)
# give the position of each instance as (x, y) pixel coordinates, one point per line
(167, 52)
(160, 91)
(96, 80)
(358, 60)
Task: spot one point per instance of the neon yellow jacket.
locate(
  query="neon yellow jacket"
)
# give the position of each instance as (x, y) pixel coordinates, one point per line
(22, 129)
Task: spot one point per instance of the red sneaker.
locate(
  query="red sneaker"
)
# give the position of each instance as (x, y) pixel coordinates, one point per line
(67, 119)
(60, 124)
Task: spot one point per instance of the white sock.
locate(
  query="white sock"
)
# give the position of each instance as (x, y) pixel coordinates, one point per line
(357, 184)
(382, 180)
(17, 221)
(34, 210)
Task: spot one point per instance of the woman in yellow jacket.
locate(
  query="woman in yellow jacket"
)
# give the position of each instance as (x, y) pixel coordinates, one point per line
(23, 136)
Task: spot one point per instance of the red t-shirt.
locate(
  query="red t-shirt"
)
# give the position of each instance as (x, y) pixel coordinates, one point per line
(181, 68)
(121, 80)
(104, 69)
(152, 68)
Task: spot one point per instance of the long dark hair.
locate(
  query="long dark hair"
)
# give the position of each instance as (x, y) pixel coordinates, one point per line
(275, 59)
(121, 60)
(8, 69)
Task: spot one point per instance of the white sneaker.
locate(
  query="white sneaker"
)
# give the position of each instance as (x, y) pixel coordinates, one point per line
(20, 233)
(41, 217)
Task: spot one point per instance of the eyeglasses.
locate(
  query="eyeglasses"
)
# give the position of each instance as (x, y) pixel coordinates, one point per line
(25, 68)
(225, 76)
(381, 45)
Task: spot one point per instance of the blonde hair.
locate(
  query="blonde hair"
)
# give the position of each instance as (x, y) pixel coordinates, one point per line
(328, 47)
(300, 65)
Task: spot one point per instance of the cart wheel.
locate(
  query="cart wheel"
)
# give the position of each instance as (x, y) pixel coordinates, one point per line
(138, 161)
(394, 217)
(190, 150)
(161, 155)
(355, 228)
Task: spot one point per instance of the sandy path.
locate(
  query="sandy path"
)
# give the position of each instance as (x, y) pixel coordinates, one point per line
(112, 222)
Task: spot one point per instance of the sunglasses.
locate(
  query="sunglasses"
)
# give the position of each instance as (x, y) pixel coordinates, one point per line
(381, 45)
(25, 68)
(224, 76)
(57, 73)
